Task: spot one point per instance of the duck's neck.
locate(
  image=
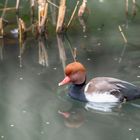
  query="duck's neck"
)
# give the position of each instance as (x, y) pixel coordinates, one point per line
(76, 91)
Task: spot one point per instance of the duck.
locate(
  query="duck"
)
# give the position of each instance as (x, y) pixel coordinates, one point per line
(98, 89)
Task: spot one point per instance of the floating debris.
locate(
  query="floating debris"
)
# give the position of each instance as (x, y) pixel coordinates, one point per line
(130, 129)
(137, 138)
(54, 68)
(138, 76)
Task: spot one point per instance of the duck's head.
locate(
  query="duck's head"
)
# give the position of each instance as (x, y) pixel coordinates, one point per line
(75, 73)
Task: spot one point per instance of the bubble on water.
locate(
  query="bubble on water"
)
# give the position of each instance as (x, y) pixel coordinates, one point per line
(2, 137)
(24, 111)
(99, 44)
(47, 123)
(12, 125)
(101, 1)
(115, 59)
(21, 78)
(42, 132)
(130, 129)
(99, 29)
(88, 59)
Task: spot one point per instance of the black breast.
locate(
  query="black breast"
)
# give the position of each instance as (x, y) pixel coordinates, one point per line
(77, 92)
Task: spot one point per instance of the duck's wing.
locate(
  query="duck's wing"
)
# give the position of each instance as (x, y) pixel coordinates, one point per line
(118, 88)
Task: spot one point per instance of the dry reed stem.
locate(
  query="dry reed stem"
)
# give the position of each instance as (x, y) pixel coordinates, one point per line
(61, 16)
(32, 3)
(22, 28)
(126, 7)
(82, 8)
(73, 13)
(1, 28)
(134, 8)
(5, 5)
(42, 15)
(53, 4)
(8, 9)
(17, 5)
(53, 13)
(124, 38)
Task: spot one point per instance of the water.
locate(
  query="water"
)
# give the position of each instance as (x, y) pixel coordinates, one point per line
(33, 107)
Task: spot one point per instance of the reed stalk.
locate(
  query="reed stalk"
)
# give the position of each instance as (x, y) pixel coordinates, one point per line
(4, 10)
(134, 8)
(8, 9)
(53, 13)
(17, 6)
(22, 29)
(32, 5)
(61, 16)
(1, 28)
(126, 7)
(82, 8)
(73, 13)
(53, 4)
(42, 16)
(123, 36)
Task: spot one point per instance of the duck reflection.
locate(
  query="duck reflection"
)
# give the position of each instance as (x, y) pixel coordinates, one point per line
(74, 117)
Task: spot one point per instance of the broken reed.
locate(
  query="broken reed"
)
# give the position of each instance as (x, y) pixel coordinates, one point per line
(61, 16)
(123, 36)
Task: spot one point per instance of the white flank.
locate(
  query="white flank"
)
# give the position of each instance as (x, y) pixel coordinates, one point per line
(101, 97)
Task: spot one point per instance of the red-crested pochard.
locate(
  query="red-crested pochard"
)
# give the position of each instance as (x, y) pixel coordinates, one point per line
(99, 89)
